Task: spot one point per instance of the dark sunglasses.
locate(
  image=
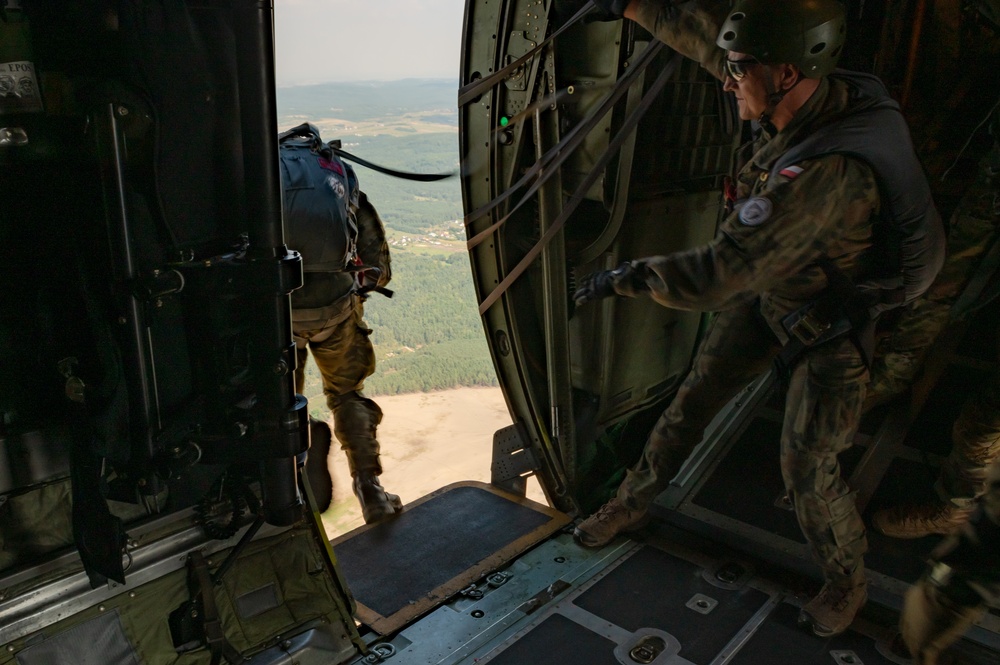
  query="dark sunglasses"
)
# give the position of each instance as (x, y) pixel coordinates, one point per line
(737, 69)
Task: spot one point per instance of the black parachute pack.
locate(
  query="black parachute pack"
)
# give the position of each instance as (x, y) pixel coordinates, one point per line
(321, 198)
(876, 133)
(909, 234)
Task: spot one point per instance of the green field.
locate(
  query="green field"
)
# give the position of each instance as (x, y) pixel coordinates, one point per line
(429, 335)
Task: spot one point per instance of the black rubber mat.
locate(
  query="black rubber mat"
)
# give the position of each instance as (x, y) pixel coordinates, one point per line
(559, 641)
(748, 481)
(404, 566)
(904, 481)
(931, 431)
(779, 641)
(651, 589)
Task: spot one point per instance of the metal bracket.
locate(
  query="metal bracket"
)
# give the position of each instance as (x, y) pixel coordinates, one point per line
(846, 658)
(701, 603)
(471, 591)
(379, 652)
(512, 459)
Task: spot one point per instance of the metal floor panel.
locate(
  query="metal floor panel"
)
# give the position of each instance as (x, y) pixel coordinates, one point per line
(559, 641)
(649, 596)
(654, 589)
(779, 641)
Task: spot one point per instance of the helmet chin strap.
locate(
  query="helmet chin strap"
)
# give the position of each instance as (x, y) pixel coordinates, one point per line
(774, 98)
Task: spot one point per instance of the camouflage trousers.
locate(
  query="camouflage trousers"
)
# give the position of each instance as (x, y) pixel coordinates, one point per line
(975, 440)
(964, 580)
(822, 409)
(345, 357)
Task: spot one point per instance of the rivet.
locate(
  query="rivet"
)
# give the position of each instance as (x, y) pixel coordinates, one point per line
(100, 608)
(131, 594)
(10, 648)
(122, 110)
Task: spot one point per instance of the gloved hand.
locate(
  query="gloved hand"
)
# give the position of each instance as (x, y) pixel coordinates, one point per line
(598, 285)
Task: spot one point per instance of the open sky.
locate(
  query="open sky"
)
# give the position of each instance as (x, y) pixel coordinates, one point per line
(319, 41)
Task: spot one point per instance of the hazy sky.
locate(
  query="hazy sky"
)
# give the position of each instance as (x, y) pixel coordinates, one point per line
(351, 40)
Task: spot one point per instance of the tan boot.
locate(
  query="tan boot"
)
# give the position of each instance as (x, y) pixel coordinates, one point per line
(611, 519)
(834, 608)
(376, 503)
(919, 520)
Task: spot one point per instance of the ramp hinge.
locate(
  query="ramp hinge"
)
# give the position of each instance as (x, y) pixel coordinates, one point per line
(513, 460)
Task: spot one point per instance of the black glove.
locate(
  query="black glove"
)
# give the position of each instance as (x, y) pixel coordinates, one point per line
(598, 285)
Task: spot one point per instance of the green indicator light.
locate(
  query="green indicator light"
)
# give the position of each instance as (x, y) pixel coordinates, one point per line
(504, 121)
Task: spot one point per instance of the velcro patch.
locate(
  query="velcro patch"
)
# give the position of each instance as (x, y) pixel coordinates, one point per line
(791, 172)
(336, 186)
(331, 166)
(756, 211)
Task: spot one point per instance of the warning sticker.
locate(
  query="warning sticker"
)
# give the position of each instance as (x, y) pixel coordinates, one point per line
(19, 91)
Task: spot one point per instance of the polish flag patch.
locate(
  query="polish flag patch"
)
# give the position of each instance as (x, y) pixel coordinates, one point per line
(792, 172)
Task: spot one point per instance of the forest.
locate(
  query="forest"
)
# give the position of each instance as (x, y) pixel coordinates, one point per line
(428, 336)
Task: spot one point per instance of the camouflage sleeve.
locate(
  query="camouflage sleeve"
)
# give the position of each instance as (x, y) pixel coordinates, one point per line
(775, 239)
(372, 246)
(690, 28)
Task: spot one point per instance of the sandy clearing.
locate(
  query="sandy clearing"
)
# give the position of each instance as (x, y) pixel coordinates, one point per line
(428, 440)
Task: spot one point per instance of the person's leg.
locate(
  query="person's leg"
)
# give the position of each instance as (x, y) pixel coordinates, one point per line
(316, 468)
(346, 358)
(975, 444)
(822, 411)
(737, 348)
(962, 581)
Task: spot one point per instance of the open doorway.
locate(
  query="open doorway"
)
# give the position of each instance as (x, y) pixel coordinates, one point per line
(434, 379)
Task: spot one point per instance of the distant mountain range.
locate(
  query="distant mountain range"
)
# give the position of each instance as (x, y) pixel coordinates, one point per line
(367, 100)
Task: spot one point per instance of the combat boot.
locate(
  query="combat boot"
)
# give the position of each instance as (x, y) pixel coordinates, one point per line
(834, 608)
(376, 503)
(919, 520)
(613, 518)
(316, 467)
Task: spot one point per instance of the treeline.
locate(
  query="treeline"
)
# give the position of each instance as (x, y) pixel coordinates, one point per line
(428, 336)
(438, 367)
(408, 205)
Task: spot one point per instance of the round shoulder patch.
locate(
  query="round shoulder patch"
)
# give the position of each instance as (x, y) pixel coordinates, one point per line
(756, 211)
(336, 186)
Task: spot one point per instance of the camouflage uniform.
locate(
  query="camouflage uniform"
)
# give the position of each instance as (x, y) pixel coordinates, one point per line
(760, 267)
(964, 578)
(341, 346)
